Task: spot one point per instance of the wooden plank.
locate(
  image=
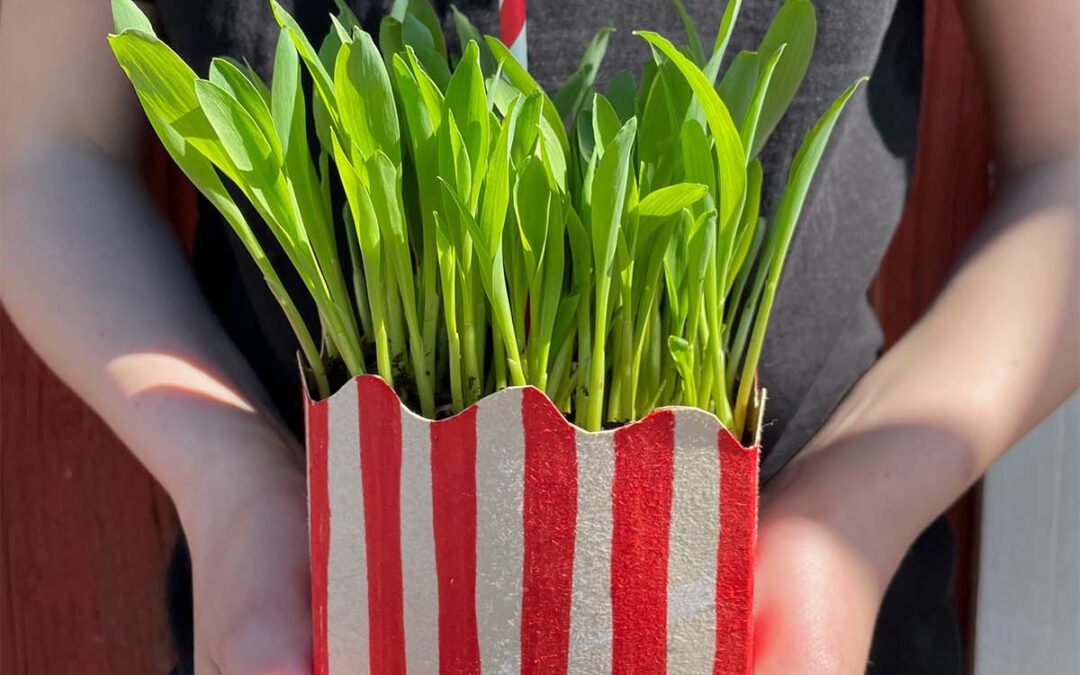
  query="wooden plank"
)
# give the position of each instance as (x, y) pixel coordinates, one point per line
(86, 533)
(1028, 618)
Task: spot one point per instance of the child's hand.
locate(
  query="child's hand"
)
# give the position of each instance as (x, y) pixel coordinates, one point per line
(824, 559)
(246, 525)
(815, 599)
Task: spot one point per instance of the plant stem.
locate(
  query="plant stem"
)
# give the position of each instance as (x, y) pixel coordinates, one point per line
(429, 277)
(753, 354)
(560, 371)
(469, 360)
(747, 314)
(498, 359)
(398, 360)
(595, 414)
(581, 402)
(303, 336)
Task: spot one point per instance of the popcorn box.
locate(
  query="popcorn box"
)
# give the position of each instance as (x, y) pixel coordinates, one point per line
(507, 540)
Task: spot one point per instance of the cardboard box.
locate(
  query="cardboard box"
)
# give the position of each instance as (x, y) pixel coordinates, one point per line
(507, 540)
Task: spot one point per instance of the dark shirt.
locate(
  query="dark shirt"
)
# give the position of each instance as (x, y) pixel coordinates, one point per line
(823, 335)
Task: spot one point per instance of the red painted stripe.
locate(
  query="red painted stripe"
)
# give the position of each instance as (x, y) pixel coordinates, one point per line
(380, 466)
(641, 511)
(550, 513)
(511, 19)
(319, 529)
(453, 497)
(735, 558)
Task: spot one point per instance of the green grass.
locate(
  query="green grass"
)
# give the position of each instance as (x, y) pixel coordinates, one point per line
(607, 248)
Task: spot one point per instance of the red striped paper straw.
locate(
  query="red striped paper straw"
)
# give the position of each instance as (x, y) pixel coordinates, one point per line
(512, 29)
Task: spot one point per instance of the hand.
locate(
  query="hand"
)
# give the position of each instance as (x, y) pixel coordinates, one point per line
(815, 602)
(246, 524)
(820, 573)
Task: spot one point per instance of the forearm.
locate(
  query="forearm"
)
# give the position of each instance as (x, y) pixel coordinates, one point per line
(96, 283)
(998, 351)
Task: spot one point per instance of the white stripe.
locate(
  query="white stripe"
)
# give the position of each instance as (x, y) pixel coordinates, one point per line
(692, 544)
(347, 600)
(418, 576)
(500, 476)
(520, 48)
(590, 606)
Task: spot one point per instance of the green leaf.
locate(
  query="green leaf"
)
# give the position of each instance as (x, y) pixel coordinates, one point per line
(366, 100)
(564, 321)
(385, 189)
(525, 84)
(748, 226)
(286, 97)
(363, 210)
(584, 136)
(164, 83)
(420, 124)
(575, 92)
(795, 26)
(698, 166)
(757, 102)
(648, 74)
(606, 124)
(391, 40)
(454, 163)
(466, 99)
(667, 201)
(425, 14)
(240, 135)
(682, 353)
(554, 268)
(656, 139)
(467, 32)
(430, 93)
(496, 196)
(324, 86)
(609, 197)
(580, 248)
(127, 16)
(415, 34)
(737, 86)
(802, 172)
(675, 268)
(527, 128)
(622, 93)
(723, 36)
(730, 157)
(346, 15)
(696, 51)
(532, 204)
(226, 75)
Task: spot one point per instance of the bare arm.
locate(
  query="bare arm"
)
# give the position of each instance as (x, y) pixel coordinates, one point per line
(997, 352)
(90, 273)
(96, 282)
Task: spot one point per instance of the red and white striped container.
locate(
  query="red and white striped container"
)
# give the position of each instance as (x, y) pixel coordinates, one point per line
(513, 29)
(506, 540)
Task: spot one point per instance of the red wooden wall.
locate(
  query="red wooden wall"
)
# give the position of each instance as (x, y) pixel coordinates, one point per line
(85, 532)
